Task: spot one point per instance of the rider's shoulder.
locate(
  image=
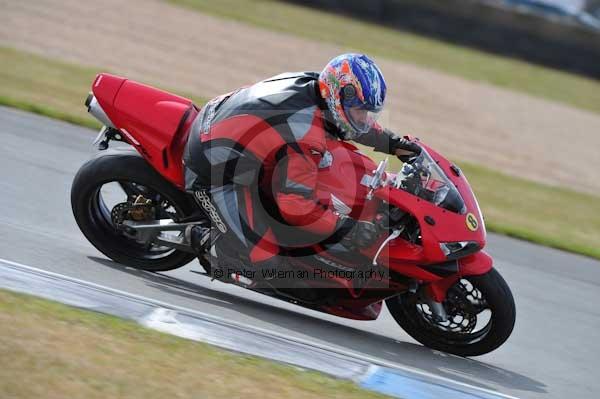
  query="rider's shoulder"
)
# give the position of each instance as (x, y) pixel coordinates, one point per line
(290, 89)
(306, 75)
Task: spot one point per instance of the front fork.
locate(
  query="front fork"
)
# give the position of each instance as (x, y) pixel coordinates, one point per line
(436, 291)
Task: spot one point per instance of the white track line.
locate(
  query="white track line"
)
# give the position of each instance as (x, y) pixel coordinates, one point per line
(254, 329)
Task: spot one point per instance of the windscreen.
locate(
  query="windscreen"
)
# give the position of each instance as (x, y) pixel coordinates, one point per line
(422, 177)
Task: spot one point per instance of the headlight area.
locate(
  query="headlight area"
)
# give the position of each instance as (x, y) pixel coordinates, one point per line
(459, 249)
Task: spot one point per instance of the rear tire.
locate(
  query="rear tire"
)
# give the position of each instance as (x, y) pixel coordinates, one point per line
(499, 300)
(93, 216)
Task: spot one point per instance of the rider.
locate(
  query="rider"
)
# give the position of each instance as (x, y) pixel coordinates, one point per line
(263, 144)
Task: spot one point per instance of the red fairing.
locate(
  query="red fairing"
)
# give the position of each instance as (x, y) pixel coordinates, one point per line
(476, 264)
(369, 312)
(153, 121)
(105, 89)
(448, 227)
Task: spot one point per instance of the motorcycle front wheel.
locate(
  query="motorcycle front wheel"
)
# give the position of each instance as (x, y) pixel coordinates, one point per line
(103, 191)
(481, 316)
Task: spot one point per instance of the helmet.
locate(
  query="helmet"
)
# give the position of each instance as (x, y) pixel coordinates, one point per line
(354, 90)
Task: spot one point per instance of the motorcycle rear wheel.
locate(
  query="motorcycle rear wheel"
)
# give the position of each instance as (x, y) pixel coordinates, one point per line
(126, 168)
(488, 292)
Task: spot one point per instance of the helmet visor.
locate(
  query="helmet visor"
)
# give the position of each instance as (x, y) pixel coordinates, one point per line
(361, 119)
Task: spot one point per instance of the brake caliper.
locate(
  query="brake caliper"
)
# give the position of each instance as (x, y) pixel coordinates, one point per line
(141, 209)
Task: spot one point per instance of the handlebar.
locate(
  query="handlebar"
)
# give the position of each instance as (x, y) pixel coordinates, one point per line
(377, 179)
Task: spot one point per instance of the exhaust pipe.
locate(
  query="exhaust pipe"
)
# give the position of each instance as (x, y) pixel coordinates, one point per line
(96, 110)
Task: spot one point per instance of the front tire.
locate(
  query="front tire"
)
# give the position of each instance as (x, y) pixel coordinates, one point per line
(410, 312)
(126, 168)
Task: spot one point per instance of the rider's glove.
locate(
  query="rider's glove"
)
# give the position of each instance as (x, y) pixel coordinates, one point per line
(360, 235)
(404, 149)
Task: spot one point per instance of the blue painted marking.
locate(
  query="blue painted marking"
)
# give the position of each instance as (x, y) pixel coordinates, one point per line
(399, 385)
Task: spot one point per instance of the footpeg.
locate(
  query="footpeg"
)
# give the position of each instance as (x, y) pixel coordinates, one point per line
(198, 237)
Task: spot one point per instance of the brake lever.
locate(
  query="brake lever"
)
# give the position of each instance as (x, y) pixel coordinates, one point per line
(395, 234)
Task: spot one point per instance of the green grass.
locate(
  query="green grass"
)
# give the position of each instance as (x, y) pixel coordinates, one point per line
(46, 87)
(390, 43)
(547, 215)
(49, 350)
(49, 87)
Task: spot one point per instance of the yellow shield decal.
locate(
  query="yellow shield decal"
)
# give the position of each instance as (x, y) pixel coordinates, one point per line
(471, 222)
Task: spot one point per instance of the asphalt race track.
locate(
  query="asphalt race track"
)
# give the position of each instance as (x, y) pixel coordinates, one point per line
(553, 352)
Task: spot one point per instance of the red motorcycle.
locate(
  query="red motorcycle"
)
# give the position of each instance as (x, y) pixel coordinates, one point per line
(428, 265)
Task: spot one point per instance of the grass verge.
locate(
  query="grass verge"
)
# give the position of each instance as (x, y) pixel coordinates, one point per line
(46, 87)
(380, 41)
(49, 87)
(516, 207)
(539, 213)
(50, 350)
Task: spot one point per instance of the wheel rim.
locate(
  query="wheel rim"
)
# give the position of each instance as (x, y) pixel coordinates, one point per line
(470, 317)
(108, 194)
